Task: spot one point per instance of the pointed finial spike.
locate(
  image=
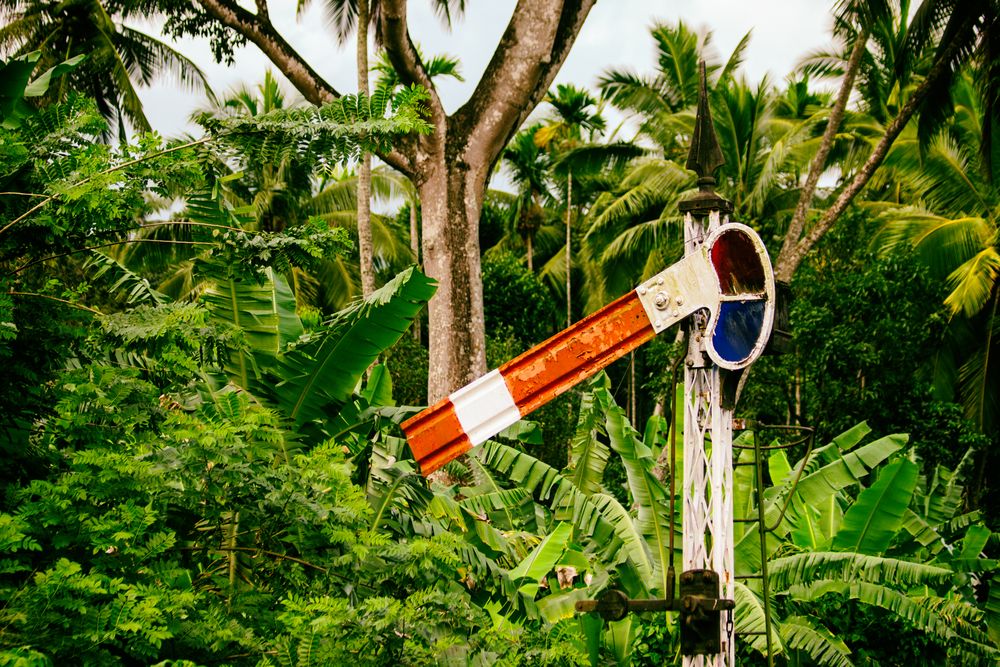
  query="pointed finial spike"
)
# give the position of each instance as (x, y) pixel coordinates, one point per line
(705, 156)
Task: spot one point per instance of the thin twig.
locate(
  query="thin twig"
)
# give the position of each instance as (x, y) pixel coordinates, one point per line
(191, 223)
(273, 554)
(53, 298)
(23, 194)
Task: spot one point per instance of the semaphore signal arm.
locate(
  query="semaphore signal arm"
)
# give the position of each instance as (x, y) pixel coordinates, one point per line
(729, 276)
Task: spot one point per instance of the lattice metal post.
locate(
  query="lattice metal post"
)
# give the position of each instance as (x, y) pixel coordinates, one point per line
(708, 453)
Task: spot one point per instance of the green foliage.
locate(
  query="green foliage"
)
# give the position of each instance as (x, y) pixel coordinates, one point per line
(246, 255)
(515, 300)
(407, 363)
(327, 135)
(18, 85)
(159, 509)
(224, 481)
(863, 328)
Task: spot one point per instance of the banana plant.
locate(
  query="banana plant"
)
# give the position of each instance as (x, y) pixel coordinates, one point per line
(310, 377)
(872, 545)
(850, 530)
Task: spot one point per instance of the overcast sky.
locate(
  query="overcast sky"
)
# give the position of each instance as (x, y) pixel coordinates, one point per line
(616, 34)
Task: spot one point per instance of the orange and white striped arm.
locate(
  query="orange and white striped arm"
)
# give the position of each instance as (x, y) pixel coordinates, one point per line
(488, 405)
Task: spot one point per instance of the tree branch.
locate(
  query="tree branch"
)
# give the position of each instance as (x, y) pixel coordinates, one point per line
(53, 298)
(403, 54)
(531, 51)
(258, 29)
(818, 163)
(109, 170)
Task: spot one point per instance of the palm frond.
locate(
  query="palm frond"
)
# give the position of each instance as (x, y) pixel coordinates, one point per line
(801, 633)
(973, 282)
(808, 568)
(979, 376)
(148, 58)
(138, 288)
(941, 243)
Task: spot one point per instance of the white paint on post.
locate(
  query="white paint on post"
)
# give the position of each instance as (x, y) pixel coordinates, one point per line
(707, 489)
(485, 407)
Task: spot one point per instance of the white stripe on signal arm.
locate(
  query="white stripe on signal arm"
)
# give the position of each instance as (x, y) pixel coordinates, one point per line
(485, 407)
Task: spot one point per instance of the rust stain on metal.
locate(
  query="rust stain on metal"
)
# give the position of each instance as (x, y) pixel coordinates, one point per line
(574, 354)
(436, 436)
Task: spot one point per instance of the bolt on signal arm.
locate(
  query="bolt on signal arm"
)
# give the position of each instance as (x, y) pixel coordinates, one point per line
(730, 276)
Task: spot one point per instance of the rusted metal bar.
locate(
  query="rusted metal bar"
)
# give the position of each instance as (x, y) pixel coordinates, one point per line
(497, 400)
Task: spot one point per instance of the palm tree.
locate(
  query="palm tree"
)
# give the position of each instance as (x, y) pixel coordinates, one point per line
(953, 223)
(867, 15)
(655, 101)
(572, 116)
(119, 57)
(632, 225)
(941, 38)
(528, 164)
(765, 138)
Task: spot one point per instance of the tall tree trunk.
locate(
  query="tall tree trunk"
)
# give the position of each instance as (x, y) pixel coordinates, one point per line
(530, 251)
(415, 249)
(452, 199)
(569, 252)
(451, 165)
(365, 167)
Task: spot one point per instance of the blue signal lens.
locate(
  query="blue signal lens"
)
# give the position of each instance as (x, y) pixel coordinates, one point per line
(738, 329)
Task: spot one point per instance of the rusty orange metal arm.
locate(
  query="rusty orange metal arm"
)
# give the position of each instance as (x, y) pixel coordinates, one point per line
(729, 276)
(500, 398)
(482, 409)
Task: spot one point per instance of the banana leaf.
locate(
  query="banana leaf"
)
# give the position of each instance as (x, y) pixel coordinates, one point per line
(648, 494)
(619, 637)
(549, 488)
(943, 497)
(265, 313)
(560, 605)
(508, 509)
(805, 568)
(800, 633)
(913, 610)
(316, 377)
(992, 609)
(749, 617)
(634, 545)
(588, 455)
(921, 531)
(877, 515)
(543, 558)
(816, 488)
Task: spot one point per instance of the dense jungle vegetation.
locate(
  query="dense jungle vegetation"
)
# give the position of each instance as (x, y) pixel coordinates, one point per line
(209, 342)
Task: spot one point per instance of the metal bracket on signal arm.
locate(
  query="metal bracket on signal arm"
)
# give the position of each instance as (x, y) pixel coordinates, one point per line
(676, 292)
